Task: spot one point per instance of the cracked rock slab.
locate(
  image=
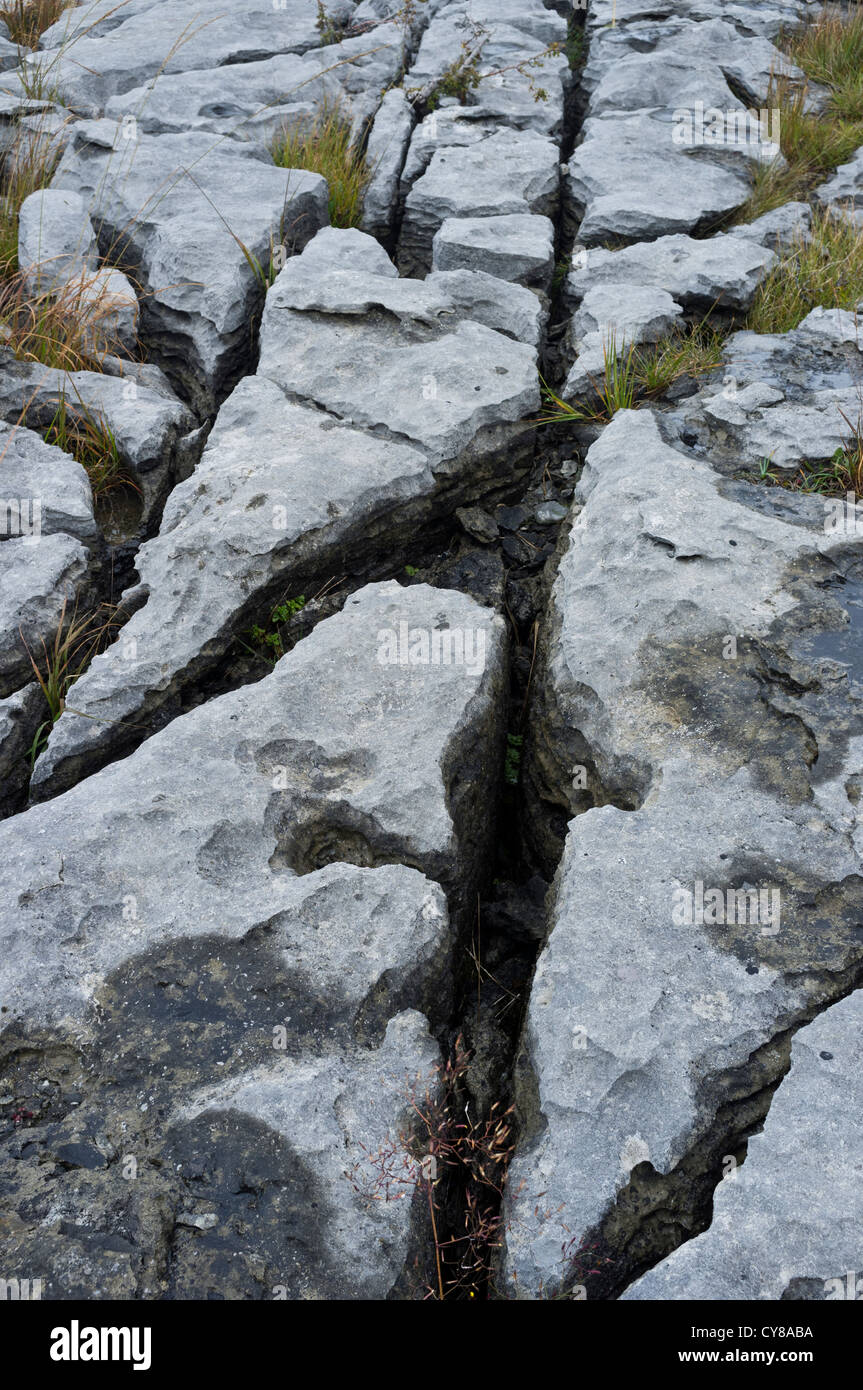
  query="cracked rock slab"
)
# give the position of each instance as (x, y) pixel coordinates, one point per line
(40, 577)
(232, 967)
(377, 408)
(787, 1223)
(784, 398)
(519, 247)
(174, 210)
(95, 54)
(376, 351)
(386, 148)
(628, 181)
(506, 173)
(147, 421)
(246, 101)
(329, 724)
(710, 734)
(44, 489)
(725, 270)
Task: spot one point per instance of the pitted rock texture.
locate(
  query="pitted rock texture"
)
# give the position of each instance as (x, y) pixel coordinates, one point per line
(286, 962)
(784, 398)
(713, 729)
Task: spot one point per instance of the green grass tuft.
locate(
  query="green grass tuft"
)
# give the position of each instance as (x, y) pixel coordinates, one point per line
(323, 145)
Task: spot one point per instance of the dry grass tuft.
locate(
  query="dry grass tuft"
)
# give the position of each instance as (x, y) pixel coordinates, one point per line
(27, 20)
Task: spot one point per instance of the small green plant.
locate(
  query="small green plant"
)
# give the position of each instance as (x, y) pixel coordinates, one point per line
(512, 759)
(327, 26)
(324, 144)
(271, 641)
(574, 46)
(764, 467)
(825, 268)
(411, 570)
(561, 270)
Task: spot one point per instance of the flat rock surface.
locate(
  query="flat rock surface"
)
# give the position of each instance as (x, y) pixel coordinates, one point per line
(519, 247)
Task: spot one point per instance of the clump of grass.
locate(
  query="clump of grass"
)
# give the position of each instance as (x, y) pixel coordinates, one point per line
(61, 663)
(632, 372)
(323, 144)
(615, 391)
(691, 352)
(63, 328)
(826, 269)
(813, 145)
(27, 20)
(830, 52)
(89, 439)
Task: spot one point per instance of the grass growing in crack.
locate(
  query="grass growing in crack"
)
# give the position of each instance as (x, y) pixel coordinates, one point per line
(90, 440)
(824, 270)
(630, 373)
(323, 145)
(830, 52)
(689, 352)
(840, 475)
(445, 1149)
(27, 20)
(615, 391)
(62, 662)
(64, 329)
